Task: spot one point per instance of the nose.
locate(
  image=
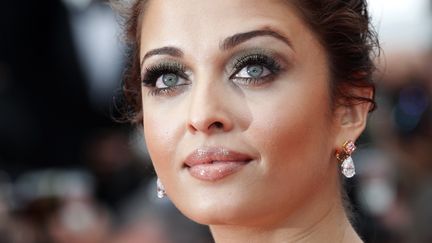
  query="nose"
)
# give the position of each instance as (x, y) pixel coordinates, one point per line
(209, 110)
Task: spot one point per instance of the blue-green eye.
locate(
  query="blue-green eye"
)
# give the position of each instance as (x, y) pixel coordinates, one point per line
(169, 80)
(253, 71)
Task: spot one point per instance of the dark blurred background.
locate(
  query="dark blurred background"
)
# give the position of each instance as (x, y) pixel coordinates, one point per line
(69, 173)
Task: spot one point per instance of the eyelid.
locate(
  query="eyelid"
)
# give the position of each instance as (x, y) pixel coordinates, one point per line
(266, 72)
(268, 60)
(171, 65)
(151, 73)
(159, 79)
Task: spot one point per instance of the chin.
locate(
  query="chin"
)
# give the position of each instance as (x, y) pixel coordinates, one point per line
(223, 211)
(216, 216)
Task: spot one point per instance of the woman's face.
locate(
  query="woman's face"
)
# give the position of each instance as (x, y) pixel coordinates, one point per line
(237, 111)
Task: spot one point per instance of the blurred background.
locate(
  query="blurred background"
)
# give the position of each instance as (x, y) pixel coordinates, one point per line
(69, 173)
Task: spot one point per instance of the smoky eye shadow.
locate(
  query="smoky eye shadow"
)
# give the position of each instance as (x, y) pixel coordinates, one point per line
(153, 72)
(256, 56)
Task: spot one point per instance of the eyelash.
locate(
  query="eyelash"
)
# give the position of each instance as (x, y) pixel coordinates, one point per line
(154, 72)
(256, 59)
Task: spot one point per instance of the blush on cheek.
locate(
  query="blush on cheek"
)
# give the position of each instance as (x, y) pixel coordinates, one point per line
(160, 142)
(291, 146)
(280, 134)
(291, 127)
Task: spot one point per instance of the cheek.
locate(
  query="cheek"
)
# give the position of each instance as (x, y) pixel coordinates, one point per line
(161, 138)
(293, 136)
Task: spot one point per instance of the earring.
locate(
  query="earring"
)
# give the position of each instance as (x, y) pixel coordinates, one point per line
(344, 157)
(160, 189)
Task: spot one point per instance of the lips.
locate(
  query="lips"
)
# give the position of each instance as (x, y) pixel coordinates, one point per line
(215, 163)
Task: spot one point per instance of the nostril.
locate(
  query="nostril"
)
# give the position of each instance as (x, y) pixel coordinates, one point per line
(217, 124)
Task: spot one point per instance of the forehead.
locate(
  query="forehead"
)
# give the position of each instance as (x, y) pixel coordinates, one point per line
(203, 24)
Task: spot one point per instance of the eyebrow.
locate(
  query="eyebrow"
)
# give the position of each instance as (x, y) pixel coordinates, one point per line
(239, 38)
(167, 50)
(228, 43)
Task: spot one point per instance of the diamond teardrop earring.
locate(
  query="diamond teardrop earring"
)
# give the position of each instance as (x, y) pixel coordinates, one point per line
(160, 189)
(348, 169)
(344, 157)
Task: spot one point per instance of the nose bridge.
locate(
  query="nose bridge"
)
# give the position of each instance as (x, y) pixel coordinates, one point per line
(207, 109)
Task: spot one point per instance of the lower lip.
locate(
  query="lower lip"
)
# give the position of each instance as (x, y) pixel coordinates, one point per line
(216, 170)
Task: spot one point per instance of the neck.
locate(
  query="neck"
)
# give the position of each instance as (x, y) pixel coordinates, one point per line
(315, 222)
(331, 227)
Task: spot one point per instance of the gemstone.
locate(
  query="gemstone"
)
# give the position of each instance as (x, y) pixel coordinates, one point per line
(349, 147)
(348, 169)
(160, 189)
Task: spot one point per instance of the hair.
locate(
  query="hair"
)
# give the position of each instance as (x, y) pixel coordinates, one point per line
(342, 26)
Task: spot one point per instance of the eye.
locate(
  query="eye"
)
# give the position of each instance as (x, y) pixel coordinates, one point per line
(169, 80)
(253, 71)
(166, 78)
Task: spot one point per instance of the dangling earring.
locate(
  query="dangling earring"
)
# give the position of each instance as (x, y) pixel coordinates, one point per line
(160, 189)
(344, 157)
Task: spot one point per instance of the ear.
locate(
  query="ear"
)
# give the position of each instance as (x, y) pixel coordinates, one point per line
(351, 119)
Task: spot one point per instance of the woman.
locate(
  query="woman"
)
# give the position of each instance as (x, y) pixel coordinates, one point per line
(249, 107)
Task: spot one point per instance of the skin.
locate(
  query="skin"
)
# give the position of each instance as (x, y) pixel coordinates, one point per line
(290, 192)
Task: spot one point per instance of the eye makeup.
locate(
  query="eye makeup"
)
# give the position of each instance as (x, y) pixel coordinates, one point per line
(256, 59)
(266, 62)
(246, 68)
(152, 73)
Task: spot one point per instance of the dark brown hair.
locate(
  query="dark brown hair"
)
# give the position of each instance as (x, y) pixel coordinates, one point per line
(342, 27)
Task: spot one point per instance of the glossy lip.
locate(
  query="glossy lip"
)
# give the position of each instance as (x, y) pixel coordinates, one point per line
(215, 163)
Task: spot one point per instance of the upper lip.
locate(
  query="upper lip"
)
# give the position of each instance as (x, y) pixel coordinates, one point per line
(208, 155)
